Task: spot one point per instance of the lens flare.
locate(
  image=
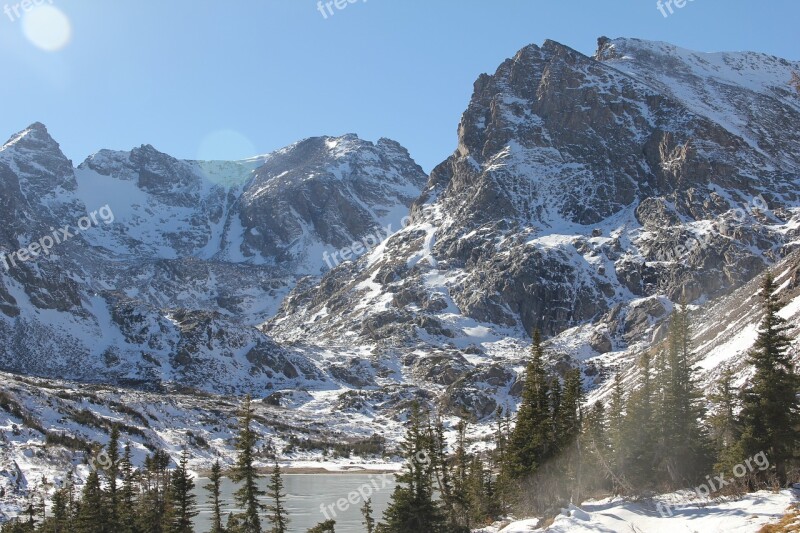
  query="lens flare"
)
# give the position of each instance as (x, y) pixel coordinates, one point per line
(47, 27)
(224, 145)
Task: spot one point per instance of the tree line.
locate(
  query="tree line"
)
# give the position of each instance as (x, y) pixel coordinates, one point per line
(659, 433)
(118, 498)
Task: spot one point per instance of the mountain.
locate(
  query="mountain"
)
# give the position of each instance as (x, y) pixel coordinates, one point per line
(337, 283)
(182, 259)
(586, 196)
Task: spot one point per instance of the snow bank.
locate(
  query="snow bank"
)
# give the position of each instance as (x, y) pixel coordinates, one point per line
(747, 515)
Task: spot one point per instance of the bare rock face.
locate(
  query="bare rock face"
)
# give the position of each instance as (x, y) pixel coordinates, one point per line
(337, 190)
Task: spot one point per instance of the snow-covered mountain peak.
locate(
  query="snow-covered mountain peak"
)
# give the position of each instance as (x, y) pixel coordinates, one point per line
(755, 71)
(585, 197)
(34, 137)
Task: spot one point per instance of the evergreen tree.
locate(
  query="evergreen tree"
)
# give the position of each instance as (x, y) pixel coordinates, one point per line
(92, 515)
(482, 497)
(726, 430)
(683, 448)
(244, 472)
(639, 429)
(596, 448)
(325, 527)
(182, 498)
(112, 473)
(556, 393)
(154, 503)
(616, 436)
(530, 441)
(278, 516)
(501, 463)
(443, 474)
(30, 511)
(567, 441)
(366, 512)
(568, 424)
(214, 487)
(127, 494)
(412, 508)
(460, 496)
(616, 414)
(61, 522)
(769, 402)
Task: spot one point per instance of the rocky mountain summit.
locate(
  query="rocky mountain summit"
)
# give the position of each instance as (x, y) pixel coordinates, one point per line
(586, 196)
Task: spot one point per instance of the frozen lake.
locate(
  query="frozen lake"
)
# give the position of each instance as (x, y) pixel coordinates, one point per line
(304, 495)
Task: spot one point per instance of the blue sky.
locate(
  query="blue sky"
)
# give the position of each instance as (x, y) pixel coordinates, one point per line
(229, 79)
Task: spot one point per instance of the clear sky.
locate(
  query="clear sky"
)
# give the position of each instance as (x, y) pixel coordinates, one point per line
(234, 78)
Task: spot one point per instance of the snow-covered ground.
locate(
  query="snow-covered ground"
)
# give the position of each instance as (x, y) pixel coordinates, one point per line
(746, 515)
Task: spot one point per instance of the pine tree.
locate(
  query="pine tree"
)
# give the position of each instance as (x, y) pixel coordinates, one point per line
(482, 497)
(683, 449)
(596, 448)
(412, 508)
(443, 474)
(568, 424)
(616, 435)
(112, 473)
(278, 516)
(530, 441)
(92, 515)
(460, 495)
(154, 503)
(182, 498)
(30, 511)
(769, 402)
(726, 430)
(244, 471)
(366, 512)
(567, 440)
(127, 495)
(556, 394)
(214, 487)
(639, 429)
(501, 463)
(61, 522)
(325, 527)
(616, 413)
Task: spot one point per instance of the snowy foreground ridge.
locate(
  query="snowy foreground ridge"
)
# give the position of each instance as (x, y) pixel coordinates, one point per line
(614, 515)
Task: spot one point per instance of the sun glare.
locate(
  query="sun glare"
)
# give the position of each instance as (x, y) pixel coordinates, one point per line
(47, 27)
